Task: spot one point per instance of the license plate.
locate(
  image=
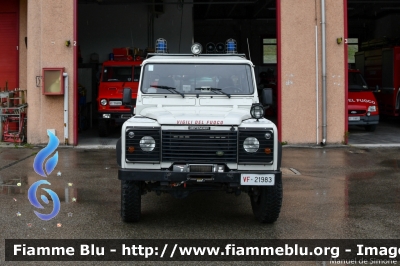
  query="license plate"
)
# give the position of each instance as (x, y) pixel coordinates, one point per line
(115, 103)
(257, 179)
(354, 118)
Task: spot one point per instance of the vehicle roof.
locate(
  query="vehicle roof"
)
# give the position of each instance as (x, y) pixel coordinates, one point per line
(189, 58)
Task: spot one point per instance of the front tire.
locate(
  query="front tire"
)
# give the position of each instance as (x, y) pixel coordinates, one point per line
(266, 202)
(131, 200)
(370, 128)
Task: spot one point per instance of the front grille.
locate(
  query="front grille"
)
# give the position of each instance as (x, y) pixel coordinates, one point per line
(208, 146)
(356, 112)
(259, 156)
(133, 151)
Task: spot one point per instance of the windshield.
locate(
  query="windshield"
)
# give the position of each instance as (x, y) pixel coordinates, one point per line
(357, 82)
(221, 79)
(117, 73)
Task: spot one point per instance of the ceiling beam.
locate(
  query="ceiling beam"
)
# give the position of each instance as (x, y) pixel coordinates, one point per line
(233, 8)
(258, 9)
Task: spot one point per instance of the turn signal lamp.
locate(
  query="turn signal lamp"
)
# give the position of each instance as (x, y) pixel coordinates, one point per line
(267, 151)
(161, 46)
(131, 149)
(230, 46)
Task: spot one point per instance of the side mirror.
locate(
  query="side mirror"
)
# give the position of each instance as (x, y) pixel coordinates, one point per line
(266, 97)
(127, 96)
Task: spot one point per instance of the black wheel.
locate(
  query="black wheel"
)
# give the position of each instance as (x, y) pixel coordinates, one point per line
(266, 202)
(104, 128)
(131, 200)
(370, 128)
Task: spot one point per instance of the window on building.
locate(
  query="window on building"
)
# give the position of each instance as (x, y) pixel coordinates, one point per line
(269, 50)
(352, 48)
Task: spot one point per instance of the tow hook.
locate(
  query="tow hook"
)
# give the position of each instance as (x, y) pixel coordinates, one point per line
(179, 184)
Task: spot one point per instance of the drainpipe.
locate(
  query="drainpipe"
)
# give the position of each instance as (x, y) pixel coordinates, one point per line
(323, 40)
(316, 75)
(65, 108)
(316, 82)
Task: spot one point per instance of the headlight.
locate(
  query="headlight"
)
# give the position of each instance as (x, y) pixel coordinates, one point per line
(103, 102)
(251, 144)
(147, 143)
(257, 111)
(372, 108)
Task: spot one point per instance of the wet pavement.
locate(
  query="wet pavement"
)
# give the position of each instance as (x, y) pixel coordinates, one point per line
(329, 193)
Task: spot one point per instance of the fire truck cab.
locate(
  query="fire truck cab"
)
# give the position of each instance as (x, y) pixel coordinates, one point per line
(115, 75)
(362, 104)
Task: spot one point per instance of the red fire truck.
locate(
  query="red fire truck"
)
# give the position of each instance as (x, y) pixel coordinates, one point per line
(121, 71)
(381, 68)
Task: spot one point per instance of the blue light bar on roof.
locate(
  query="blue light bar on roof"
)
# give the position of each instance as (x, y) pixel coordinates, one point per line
(161, 46)
(230, 46)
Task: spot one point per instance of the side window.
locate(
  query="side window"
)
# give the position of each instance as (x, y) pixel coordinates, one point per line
(269, 51)
(352, 49)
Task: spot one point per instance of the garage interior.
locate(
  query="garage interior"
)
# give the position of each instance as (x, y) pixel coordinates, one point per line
(369, 22)
(107, 24)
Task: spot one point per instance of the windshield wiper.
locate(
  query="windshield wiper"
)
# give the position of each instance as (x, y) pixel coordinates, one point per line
(215, 90)
(170, 89)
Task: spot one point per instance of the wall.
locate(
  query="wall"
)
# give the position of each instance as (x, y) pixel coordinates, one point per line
(168, 26)
(298, 68)
(49, 26)
(382, 29)
(104, 27)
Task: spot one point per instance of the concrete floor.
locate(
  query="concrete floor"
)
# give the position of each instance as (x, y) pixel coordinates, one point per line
(386, 133)
(329, 193)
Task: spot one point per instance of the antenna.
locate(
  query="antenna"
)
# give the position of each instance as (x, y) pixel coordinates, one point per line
(248, 48)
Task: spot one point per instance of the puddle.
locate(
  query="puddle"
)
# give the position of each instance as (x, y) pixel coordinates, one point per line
(66, 191)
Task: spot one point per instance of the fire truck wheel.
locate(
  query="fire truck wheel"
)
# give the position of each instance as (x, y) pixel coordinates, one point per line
(130, 201)
(370, 128)
(266, 202)
(104, 128)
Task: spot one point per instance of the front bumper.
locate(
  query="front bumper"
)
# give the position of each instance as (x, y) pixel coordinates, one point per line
(171, 176)
(365, 120)
(118, 118)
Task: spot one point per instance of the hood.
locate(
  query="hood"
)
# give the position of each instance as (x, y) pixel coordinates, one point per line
(361, 98)
(202, 116)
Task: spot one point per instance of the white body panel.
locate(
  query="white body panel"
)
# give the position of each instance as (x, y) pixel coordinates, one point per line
(217, 111)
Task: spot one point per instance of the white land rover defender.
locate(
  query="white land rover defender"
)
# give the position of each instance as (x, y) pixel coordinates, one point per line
(199, 126)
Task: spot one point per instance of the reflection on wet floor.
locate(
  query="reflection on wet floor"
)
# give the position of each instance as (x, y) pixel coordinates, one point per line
(66, 191)
(12, 186)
